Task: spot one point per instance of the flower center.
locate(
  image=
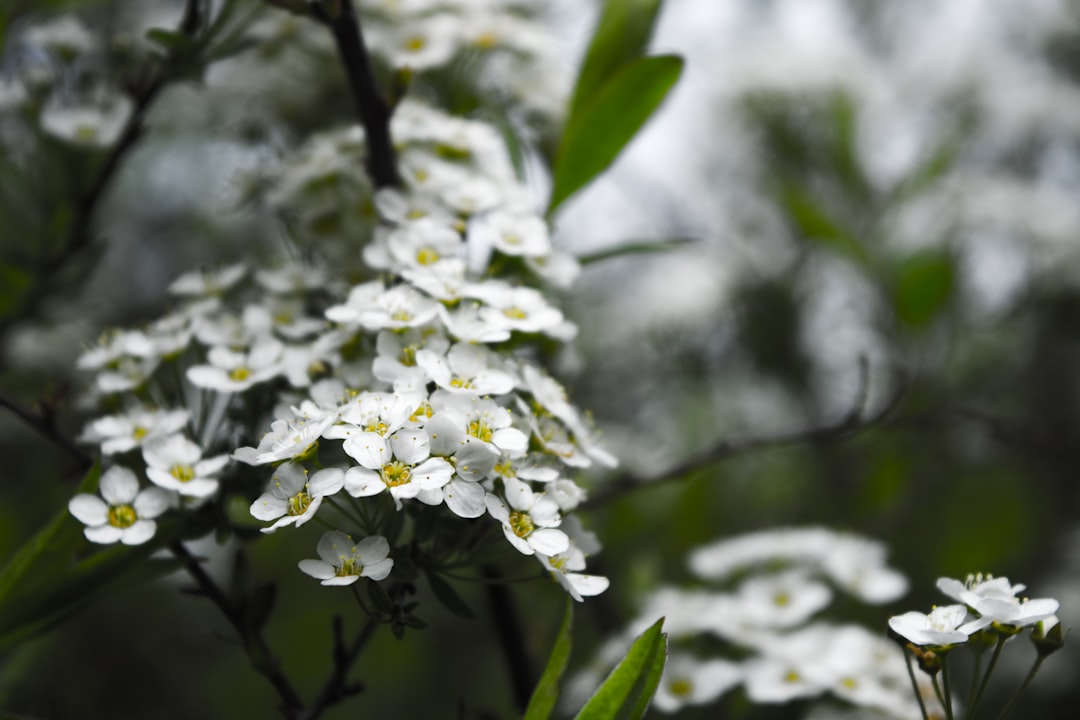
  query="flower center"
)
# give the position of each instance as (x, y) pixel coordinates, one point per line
(415, 43)
(122, 516)
(349, 567)
(427, 256)
(486, 40)
(396, 474)
(139, 432)
(239, 374)
(183, 473)
(511, 239)
(480, 430)
(792, 677)
(298, 503)
(781, 599)
(402, 316)
(424, 410)
(681, 687)
(515, 313)
(521, 523)
(377, 426)
(460, 382)
(408, 356)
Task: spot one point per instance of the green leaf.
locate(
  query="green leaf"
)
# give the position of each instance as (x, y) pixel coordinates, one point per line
(544, 697)
(924, 284)
(635, 248)
(622, 34)
(626, 692)
(597, 133)
(446, 594)
(49, 550)
(815, 224)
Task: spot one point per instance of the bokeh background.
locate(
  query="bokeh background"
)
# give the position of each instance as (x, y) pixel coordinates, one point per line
(860, 198)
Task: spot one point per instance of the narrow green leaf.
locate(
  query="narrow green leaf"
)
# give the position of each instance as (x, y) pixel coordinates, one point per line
(816, 225)
(924, 283)
(49, 549)
(635, 248)
(546, 694)
(446, 594)
(596, 134)
(627, 691)
(622, 34)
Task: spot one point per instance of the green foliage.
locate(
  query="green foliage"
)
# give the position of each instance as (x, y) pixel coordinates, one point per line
(41, 586)
(627, 691)
(924, 284)
(622, 34)
(617, 90)
(546, 694)
(635, 248)
(596, 134)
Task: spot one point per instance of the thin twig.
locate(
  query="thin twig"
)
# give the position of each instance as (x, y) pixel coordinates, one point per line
(511, 638)
(340, 17)
(47, 429)
(854, 422)
(337, 686)
(254, 643)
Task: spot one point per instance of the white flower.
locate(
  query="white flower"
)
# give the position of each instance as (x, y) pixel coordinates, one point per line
(400, 465)
(175, 463)
(379, 413)
(120, 433)
(995, 601)
(421, 43)
(512, 233)
(467, 324)
(126, 514)
(203, 282)
(231, 371)
(566, 568)
(292, 499)
(344, 562)
(289, 439)
(94, 125)
(531, 521)
(940, 628)
(782, 600)
(688, 681)
(467, 368)
(523, 309)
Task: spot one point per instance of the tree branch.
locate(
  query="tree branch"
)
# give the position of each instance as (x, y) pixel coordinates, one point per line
(337, 687)
(854, 422)
(511, 638)
(46, 427)
(340, 17)
(254, 643)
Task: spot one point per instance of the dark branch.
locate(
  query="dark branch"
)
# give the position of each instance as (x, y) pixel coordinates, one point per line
(337, 686)
(340, 17)
(254, 643)
(511, 637)
(46, 427)
(851, 424)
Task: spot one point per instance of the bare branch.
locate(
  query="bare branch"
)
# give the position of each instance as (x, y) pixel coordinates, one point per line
(46, 427)
(337, 686)
(854, 422)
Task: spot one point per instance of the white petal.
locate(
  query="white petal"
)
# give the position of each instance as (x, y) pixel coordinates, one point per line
(89, 509)
(372, 549)
(119, 485)
(410, 446)
(326, 482)
(316, 568)
(432, 473)
(369, 449)
(549, 541)
(268, 507)
(587, 585)
(511, 440)
(139, 533)
(378, 570)
(361, 482)
(465, 499)
(152, 501)
(104, 534)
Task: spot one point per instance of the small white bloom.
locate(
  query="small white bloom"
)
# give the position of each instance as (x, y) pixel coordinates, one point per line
(120, 433)
(126, 514)
(93, 125)
(530, 522)
(401, 465)
(292, 499)
(688, 681)
(942, 627)
(994, 601)
(205, 281)
(344, 562)
(175, 463)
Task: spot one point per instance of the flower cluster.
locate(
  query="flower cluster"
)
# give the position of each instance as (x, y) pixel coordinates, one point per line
(771, 586)
(423, 384)
(983, 602)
